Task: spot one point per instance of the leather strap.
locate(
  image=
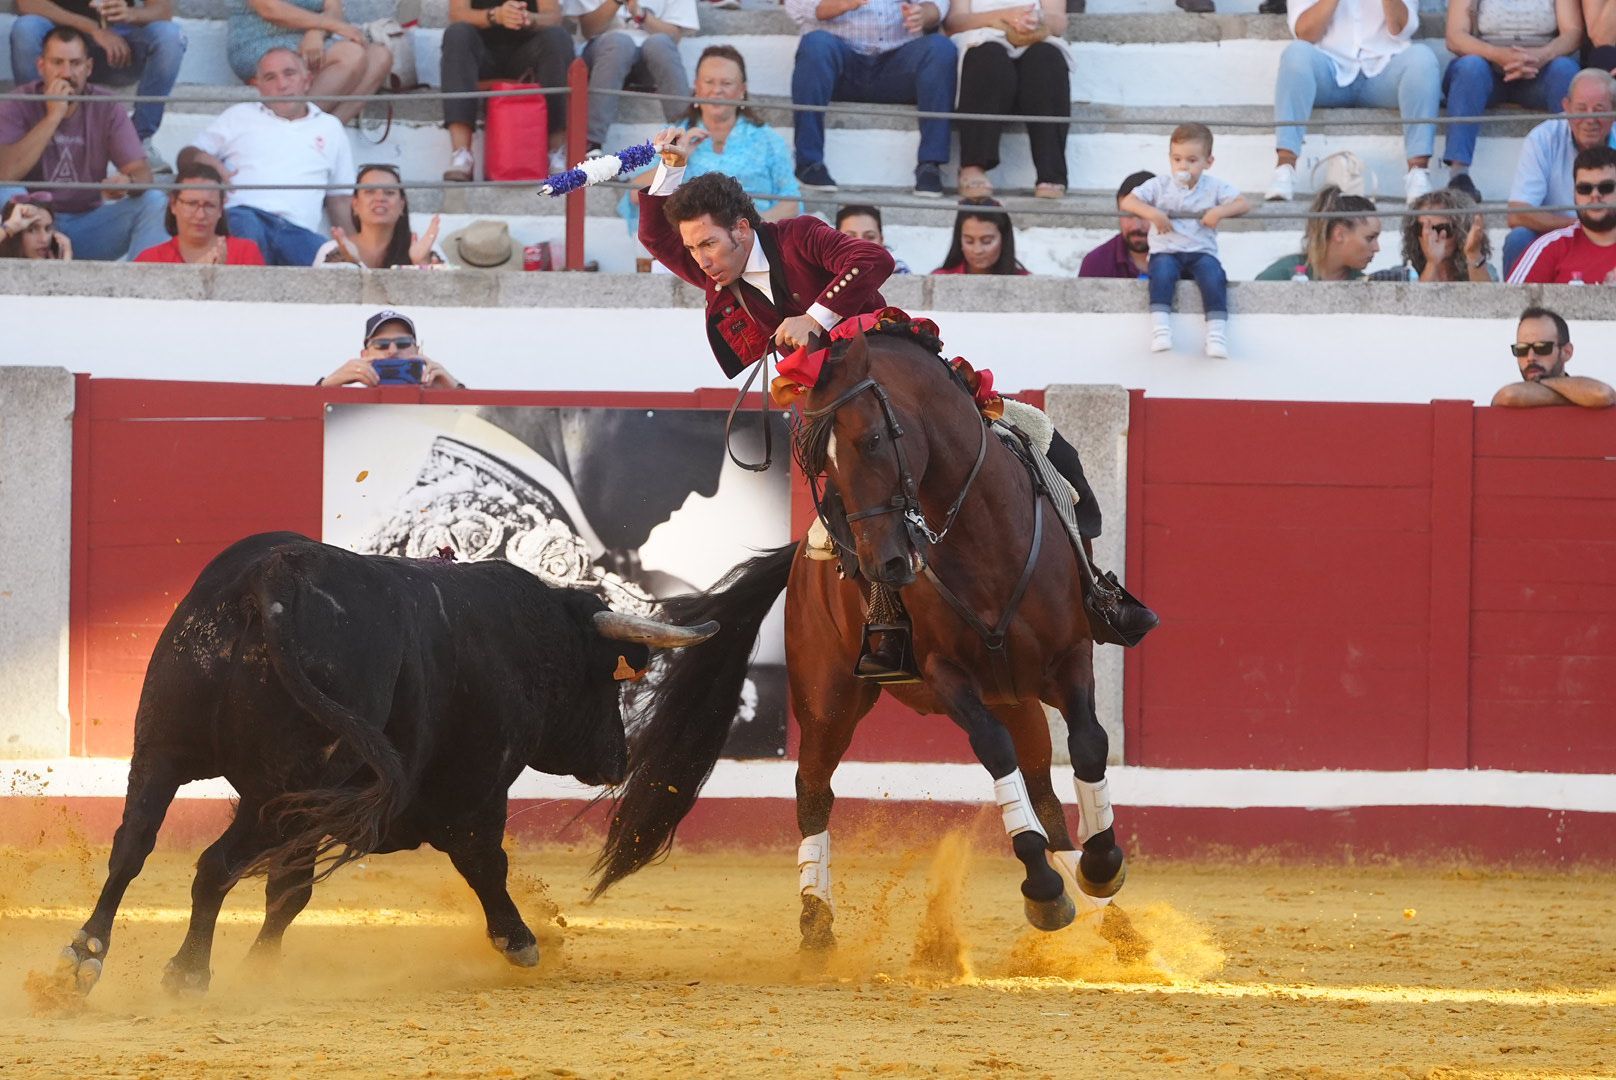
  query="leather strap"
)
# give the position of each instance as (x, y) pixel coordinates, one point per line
(763, 409)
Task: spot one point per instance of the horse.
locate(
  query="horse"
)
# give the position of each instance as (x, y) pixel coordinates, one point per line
(945, 511)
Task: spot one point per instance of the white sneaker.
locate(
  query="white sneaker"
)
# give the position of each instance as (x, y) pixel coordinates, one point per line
(461, 166)
(558, 161)
(1217, 344)
(1282, 188)
(1161, 339)
(159, 165)
(1415, 184)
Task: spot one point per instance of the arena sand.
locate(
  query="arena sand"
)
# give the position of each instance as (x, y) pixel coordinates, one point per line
(690, 969)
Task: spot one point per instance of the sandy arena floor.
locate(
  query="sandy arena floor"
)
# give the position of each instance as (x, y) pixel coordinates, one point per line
(690, 969)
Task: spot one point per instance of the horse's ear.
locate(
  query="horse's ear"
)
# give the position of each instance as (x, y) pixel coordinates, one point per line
(856, 360)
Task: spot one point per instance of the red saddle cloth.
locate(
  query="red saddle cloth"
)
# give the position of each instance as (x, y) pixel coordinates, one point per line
(799, 372)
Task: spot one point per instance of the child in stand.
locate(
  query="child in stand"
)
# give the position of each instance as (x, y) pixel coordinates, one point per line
(1187, 246)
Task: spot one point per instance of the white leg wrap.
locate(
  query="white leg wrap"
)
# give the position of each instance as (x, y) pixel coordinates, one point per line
(1094, 806)
(813, 866)
(1065, 863)
(1016, 805)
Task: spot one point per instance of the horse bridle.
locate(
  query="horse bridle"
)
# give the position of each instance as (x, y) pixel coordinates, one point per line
(906, 500)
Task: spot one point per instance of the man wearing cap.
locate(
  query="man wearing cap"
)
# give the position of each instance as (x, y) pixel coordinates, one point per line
(786, 281)
(390, 344)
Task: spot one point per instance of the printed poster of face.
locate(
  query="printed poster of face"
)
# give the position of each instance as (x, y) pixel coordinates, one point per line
(633, 504)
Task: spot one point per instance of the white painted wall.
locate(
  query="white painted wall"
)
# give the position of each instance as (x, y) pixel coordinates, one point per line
(1348, 357)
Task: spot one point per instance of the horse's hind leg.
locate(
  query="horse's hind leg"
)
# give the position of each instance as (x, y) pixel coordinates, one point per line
(1101, 868)
(152, 785)
(1048, 906)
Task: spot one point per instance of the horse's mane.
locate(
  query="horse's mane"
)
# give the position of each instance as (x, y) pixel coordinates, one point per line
(811, 440)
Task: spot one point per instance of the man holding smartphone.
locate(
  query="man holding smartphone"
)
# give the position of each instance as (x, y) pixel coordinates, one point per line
(131, 43)
(392, 356)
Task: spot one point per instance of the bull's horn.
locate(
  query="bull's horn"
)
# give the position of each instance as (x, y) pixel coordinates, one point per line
(620, 627)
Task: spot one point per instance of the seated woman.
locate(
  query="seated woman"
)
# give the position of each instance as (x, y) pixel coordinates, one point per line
(28, 231)
(1520, 51)
(1443, 247)
(337, 52)
(1013, 59)
(1335, 249)
(984, 241)
(738, 144)
(1599, 17)
(381, 239)
(196, 221)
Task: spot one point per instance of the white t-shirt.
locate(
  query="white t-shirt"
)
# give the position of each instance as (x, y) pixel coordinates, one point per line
(1170, 197)
(1357, 39)
(262, 148)
(681, 13)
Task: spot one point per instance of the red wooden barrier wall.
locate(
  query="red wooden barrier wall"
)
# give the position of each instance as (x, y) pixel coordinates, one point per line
(1373, 586)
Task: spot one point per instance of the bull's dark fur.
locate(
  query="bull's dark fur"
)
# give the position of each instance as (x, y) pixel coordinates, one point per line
(361, 704)
(691, 710)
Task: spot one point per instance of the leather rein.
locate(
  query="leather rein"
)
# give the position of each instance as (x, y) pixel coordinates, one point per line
(906, 501)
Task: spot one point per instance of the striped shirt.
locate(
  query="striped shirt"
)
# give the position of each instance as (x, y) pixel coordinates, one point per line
(873, 29)
(1564, 255)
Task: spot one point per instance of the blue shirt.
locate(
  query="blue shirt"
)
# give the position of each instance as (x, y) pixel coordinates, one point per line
(1544, 175)
(754, 154)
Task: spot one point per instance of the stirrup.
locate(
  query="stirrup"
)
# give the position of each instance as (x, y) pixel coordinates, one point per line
(1115, 616)
(877, 669)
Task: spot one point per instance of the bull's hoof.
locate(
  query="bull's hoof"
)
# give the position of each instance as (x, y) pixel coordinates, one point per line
(1103, 890)
(183, 982)
(82, 960)
(815, 924)
(1051, 915)
(528, 956)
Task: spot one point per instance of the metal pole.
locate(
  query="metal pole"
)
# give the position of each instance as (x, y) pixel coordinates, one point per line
(577, 136)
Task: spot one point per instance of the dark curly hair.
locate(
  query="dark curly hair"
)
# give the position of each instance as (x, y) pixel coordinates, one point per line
(713, 194)
(1442, 199)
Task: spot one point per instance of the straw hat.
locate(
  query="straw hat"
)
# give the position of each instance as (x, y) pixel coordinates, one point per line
(483, 245)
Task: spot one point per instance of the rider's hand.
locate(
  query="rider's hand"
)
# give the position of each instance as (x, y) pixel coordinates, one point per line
(795, 331)
(677, 144)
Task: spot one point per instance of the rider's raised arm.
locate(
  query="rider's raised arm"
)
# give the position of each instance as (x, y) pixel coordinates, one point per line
(660, 238)
(859, 267)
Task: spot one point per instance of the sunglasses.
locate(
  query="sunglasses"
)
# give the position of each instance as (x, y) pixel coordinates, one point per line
(1441, 228)
(1537, 348)
(1604, 187)
(383, 343)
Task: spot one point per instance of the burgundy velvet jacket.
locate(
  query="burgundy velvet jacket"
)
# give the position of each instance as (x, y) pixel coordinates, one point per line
(809, 263)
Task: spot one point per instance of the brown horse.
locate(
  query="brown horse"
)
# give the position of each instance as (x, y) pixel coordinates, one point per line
(940, 508)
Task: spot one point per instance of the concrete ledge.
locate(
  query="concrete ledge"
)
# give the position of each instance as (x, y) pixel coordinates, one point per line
(36, 456)
(491, 289)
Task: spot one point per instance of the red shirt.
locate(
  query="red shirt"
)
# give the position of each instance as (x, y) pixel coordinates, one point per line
(1555, 258)
(236, 253)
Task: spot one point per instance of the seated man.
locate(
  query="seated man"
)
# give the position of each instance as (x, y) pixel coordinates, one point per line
(1583, 253)
(391, 354)
(1543, 177)
(878, 51)
(1542, 347)
(634, 45)
(131, 44)
(1356, 54)
(57, 141)
(864, 222)
(1127, 254)
(285, 142)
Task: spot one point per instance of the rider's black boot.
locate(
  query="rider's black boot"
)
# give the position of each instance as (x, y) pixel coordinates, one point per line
(887, 656)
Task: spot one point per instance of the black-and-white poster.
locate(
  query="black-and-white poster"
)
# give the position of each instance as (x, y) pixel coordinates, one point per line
(633, 504)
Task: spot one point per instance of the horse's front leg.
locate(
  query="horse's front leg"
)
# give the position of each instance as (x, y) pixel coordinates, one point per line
(1047, 905)
(1099, 869)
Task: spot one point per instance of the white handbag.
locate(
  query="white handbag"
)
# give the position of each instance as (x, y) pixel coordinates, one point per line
(391, 33)
(1346, 171)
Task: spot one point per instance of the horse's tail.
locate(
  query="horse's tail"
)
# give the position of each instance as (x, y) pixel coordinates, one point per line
(330, 826)
(689, 714)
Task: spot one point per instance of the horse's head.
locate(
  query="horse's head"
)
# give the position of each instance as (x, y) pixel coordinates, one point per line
(863, 431)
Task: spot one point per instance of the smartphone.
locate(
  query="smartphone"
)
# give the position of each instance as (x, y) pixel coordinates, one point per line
(399, 371)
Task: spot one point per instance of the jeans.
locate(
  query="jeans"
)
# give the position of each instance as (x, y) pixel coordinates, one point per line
(120, 228)
(1516, 241)
(1410, 81)
(283, 243)
(1168, 268)
(155, 49)
(1037, 83)
(921, 72)
(470, 54)
(1473, 86)
(615, 62)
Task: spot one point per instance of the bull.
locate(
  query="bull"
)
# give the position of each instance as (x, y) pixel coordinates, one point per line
(364, 704)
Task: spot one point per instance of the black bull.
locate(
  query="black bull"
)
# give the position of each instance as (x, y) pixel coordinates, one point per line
(363, 704)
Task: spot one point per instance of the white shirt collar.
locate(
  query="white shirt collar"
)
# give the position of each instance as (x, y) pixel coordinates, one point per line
(757, 262)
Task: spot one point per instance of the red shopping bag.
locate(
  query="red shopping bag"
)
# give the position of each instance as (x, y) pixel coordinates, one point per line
(517, 137)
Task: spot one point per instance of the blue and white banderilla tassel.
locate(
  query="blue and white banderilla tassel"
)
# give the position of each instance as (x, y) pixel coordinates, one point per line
(598, 170)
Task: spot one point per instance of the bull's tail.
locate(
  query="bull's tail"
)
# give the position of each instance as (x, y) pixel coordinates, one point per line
(326, 826)
(689, 714)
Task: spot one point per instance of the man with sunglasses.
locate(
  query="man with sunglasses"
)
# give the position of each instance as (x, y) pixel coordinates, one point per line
(1542, 347)
(1583, 253)
(392, 354)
